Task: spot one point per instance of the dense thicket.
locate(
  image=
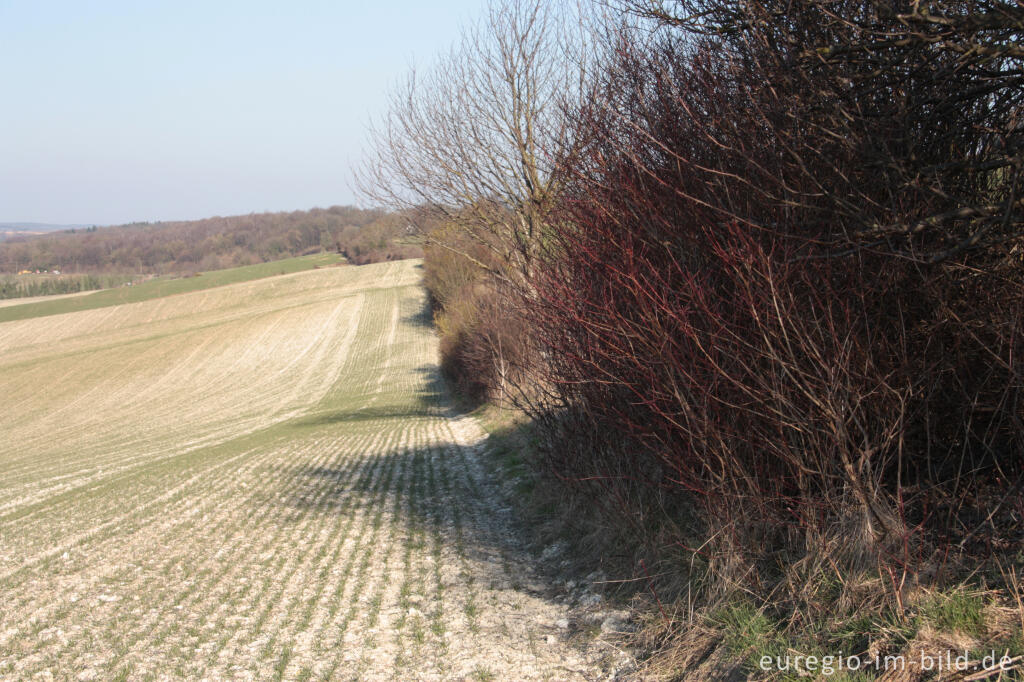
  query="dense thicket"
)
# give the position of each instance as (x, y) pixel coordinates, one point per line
(787, 273)
(213, 243)
(483, 336)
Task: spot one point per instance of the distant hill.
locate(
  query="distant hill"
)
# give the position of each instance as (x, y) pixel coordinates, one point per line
(37, 227)
(209, 244)
(9, 230)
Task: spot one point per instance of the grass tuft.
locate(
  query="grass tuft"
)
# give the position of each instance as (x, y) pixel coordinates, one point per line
(959, 611)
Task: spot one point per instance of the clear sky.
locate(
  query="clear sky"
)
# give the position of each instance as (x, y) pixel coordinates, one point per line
(115, 112)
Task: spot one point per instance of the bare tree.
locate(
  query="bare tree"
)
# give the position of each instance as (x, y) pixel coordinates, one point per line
(474, 137)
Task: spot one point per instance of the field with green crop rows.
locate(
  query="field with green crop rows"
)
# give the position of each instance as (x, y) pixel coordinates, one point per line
(262, 480)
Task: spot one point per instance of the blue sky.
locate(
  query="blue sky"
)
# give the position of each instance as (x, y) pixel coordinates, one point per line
(115, 112)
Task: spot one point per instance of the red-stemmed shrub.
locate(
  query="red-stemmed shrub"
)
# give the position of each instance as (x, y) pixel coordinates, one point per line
(785, 282)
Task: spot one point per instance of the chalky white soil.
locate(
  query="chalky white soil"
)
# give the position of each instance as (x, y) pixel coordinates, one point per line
(257, 481)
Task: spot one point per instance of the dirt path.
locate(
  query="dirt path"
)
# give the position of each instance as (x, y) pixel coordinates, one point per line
(264, 482)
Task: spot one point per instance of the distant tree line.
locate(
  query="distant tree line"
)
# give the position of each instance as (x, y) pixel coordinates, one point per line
(187, 246)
